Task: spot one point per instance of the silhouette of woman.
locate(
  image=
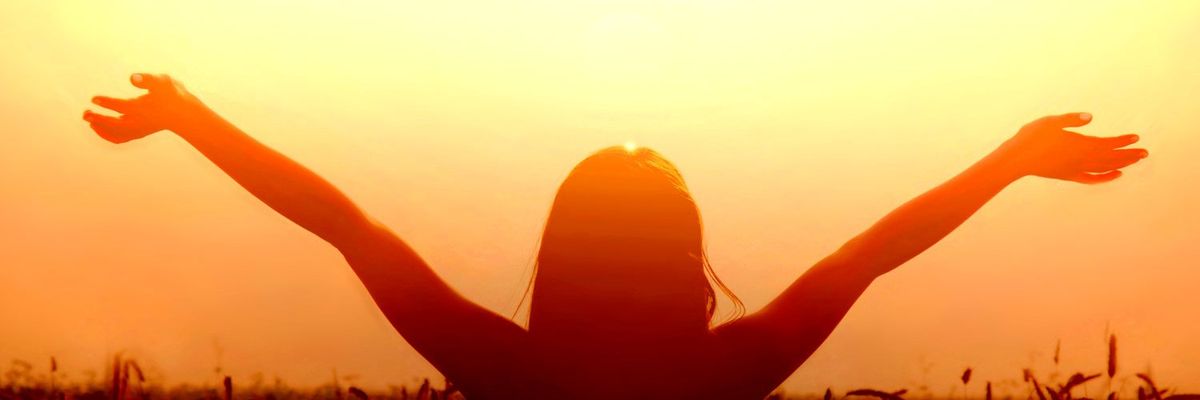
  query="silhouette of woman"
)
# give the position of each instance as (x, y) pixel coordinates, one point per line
(621, 304)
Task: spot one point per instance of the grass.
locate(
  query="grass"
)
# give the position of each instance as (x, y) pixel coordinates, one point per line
(125, 380)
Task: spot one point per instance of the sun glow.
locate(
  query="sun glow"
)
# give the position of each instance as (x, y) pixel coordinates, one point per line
(796, 124)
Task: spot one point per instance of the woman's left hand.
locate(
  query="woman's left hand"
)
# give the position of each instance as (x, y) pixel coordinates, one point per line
(1047, 149)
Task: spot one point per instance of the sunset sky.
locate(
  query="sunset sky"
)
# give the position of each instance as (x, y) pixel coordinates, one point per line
(796, 125)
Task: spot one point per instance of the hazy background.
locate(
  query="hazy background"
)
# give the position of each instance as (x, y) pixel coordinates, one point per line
(796, 125)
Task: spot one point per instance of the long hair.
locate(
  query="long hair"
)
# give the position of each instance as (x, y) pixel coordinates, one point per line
(623, 249)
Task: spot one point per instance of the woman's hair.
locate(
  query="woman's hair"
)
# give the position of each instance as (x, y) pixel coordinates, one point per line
(623, 249)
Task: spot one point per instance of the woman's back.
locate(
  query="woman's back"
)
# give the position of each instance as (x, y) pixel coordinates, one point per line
(622, 367)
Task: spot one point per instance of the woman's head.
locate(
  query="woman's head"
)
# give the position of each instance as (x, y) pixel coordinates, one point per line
(622, 249)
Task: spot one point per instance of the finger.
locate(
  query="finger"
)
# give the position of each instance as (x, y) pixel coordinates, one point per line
(1093, 179)
(1116, 159)
(151, 82)
(117, 133)
(1111, 164)
(107, 127)
(105, 130)
(1115, 141)
(116, 130)
(1127, 153)
(1068, 120)
(91, 116)
(123, 106)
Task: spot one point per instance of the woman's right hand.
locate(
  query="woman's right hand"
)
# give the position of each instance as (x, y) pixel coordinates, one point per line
(166, 106)
(1047, 149)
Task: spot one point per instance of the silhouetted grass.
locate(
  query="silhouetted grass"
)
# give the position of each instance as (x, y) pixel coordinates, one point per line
(125, 380)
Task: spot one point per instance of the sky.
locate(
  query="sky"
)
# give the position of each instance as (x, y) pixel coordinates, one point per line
(796, 125)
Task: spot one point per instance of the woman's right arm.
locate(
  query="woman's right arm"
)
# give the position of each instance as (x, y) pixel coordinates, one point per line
(457, 336)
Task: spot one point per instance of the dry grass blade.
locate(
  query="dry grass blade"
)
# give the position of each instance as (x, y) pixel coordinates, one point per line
(125, 380)
(1112, 356)
(228, 383)
(424, 392)
(137, 371)
(828, 394)
(879, 394)
(1154, 392)
(449, 390)
(358, 393)
(1076, 380)
(116, 378)
(53, 371)
(1037, 388)
(1057, 350)
(966, 376)
(1053, 395)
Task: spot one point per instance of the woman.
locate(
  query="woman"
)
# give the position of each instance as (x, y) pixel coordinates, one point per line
(621, 304)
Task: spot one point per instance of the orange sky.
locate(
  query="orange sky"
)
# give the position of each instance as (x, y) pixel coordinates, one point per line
(796, 125)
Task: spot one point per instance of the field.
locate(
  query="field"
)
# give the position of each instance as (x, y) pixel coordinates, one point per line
(125, 380)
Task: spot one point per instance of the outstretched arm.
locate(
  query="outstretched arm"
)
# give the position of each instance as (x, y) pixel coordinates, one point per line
(284, 185)
(456, 335)
(791, 327)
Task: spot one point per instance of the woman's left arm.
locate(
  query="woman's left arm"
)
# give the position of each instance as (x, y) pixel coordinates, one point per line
(794, 324)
